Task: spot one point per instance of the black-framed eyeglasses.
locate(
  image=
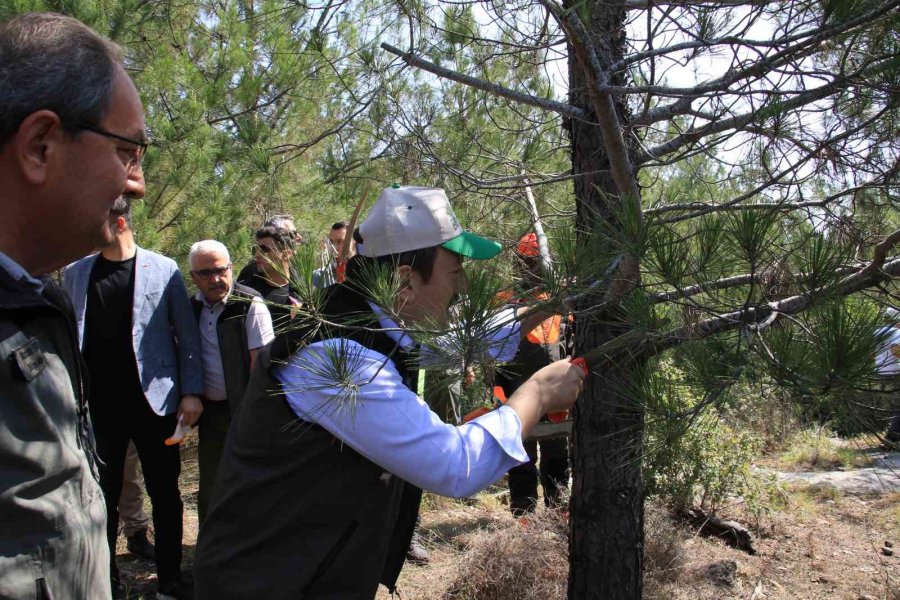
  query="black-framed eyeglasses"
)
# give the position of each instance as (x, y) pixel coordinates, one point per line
(208, 273)
(135, 157)
(264, 249)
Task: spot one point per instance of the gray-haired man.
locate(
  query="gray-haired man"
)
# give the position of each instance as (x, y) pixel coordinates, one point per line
(234, 325)
(71, 142)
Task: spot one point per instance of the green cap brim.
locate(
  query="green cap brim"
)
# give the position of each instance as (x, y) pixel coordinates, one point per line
(473, 246)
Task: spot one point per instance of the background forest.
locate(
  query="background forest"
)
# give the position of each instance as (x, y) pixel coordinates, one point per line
(717, 183)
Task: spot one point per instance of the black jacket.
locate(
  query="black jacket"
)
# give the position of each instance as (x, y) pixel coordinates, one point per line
(296, 513)
(51, 506)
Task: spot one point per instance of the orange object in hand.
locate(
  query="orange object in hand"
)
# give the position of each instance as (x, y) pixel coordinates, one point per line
(558, 417)
(481, 410)
(580, 362)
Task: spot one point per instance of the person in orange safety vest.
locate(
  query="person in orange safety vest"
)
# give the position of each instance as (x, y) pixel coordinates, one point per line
(549, 341)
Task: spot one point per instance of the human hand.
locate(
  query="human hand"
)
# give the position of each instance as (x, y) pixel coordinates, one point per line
(559, 384)
(190, 409)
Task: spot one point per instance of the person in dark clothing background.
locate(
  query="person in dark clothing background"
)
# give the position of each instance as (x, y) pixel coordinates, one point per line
(142, 348)
(550, 341)
(234, 325)
(285, 222)
(273, 252)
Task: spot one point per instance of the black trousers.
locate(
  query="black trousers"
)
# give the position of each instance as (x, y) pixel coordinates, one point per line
(214, 424)
(129, 417)
(554, 476)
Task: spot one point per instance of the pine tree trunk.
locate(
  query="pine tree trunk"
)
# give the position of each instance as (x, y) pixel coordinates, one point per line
(607, 516)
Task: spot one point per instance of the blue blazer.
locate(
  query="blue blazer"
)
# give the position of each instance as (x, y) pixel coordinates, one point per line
(165, 335)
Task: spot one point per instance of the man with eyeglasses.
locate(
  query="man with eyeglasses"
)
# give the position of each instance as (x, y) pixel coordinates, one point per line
(285, 222)
(72, 135)
(234, 325)
(272, 253)
(142, 347)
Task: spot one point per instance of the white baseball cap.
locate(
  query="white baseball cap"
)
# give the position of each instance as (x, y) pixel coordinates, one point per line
(408, 218)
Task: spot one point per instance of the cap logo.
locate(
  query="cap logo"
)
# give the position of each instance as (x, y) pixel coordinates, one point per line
(453, 221)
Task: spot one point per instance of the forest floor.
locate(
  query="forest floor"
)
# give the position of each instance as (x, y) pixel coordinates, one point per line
(828, 541)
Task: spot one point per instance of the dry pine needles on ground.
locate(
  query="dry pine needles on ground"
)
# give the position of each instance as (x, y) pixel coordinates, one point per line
(514, 560)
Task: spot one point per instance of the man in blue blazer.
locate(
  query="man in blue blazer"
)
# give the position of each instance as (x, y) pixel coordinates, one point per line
(141, 343)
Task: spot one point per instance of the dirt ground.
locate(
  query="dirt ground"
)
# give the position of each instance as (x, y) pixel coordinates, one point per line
(825, 544)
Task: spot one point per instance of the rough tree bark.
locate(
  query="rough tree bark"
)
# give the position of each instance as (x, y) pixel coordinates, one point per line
(607, 515)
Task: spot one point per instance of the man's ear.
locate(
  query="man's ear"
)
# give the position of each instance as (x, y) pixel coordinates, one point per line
(36, 144)
(405, 287)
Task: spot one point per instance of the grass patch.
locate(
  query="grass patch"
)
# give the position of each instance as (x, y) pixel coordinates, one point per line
(819, 449)
(809, 500)
(664, 553)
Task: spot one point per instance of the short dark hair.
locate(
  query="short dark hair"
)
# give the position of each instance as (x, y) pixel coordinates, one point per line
(53, 62)
(421, 261)
(283, 238)
(340, 225)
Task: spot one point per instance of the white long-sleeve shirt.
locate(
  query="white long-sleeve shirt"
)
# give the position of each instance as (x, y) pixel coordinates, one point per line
(374, 413)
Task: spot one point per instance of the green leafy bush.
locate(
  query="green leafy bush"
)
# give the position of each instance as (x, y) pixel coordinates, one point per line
(694, 457)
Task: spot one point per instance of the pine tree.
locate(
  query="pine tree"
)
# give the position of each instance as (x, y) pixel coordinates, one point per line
(796, 102)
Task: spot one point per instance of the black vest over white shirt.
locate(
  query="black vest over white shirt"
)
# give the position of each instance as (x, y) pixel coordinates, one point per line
(297, 513)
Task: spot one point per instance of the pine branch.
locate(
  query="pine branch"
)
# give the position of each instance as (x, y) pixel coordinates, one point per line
(543, 245)
(808, 44)
(641, 344)
(781, 206)
(303, 146)
(693, 290)
(738, 121)
(486, 86)
(731, 282)
(648, 4)
(866, 277)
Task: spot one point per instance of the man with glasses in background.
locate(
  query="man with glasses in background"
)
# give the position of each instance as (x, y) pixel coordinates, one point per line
(234, 325)
(285, 222)
(273, 252)
(72, 136)
(141, 344)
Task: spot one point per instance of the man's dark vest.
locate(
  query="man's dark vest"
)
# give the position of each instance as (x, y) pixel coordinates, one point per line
(296, 513)
(231, 329)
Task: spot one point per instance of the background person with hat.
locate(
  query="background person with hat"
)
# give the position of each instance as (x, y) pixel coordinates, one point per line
(548, 341)
(322, 473)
